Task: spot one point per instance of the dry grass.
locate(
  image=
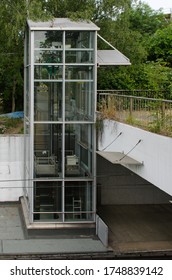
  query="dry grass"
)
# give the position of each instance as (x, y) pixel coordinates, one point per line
(107, 108)
(148, 118)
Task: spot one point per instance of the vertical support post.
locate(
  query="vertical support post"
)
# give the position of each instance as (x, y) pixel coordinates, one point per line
(131, 106)
(163, 113)
(32, 126)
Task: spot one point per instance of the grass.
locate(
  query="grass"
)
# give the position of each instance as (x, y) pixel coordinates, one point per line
(107, 108)
(150, 119)
(11, 126)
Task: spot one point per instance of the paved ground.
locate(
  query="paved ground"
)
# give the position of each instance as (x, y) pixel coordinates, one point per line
(14, 241)
(132, 228)
(139, 228)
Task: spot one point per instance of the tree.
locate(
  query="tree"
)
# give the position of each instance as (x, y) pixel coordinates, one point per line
(146, 20)
(94, 10)
(142, 34)
(158, 77)
(13, 15)
(129, 25)
(81, 9)
(160, 45)
(11, 52)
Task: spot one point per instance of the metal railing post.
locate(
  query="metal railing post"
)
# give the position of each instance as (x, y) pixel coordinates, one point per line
(131, 106)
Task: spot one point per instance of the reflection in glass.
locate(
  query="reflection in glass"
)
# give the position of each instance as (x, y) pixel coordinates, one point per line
(79, 56)
(79, 39)
(48, 39)
(48, 101)
(47, 201)
(44, 72)
(79, 72)
(78, 150)
(79, 101)
(48, 150)
(78, 201)
(50, 56)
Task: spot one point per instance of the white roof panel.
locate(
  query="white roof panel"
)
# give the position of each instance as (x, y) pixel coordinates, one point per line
(111, 57)
(119, 158)
(62, 24)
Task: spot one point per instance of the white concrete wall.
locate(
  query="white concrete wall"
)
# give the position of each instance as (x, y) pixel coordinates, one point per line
(11, 167)
(155, 151)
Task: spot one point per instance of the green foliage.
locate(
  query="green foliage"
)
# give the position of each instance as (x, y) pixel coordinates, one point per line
(117, 78)
(36, 10)
(159, 77)
(13, 15)
(142, 34)
(76, 10)
(155, 76)
(145, 20)
(160, 45)
(130, 25)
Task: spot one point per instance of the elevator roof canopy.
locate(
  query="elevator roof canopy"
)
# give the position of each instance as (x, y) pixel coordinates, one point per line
(111, 57)
(62, 24)
(104, 57)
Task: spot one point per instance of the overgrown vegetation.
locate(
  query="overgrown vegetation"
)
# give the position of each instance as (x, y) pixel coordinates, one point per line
(108, 108)
(11, 125)
(154, 115)
(140, 33)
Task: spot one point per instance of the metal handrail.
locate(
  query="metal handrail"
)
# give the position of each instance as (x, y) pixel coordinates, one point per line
(150, 113)
(136, 97)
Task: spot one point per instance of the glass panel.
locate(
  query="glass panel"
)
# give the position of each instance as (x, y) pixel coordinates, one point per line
(47, 201)
(78, 150)
(79, 73)
(48, 150)
(79, 57)
(51, 56)
(44, 72)
(78, 201)
(48, 39)
(79, 101)
(79, 39)
(48, 101)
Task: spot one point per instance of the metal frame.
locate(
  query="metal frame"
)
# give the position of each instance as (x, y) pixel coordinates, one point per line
(63, 179)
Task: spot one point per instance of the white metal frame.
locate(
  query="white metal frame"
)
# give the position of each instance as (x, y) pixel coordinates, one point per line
(63, 122)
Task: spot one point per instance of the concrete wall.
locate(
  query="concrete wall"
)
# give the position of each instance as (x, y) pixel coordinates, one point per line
(118, 185)
(155, 151)
(11, 167)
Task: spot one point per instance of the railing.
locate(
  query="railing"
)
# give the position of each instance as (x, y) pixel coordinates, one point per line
(141, 93)
(153, 114)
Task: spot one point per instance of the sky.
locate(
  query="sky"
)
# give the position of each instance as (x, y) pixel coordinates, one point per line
(157, 4)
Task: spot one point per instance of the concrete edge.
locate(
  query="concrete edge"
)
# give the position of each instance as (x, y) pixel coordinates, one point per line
(40, 225)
